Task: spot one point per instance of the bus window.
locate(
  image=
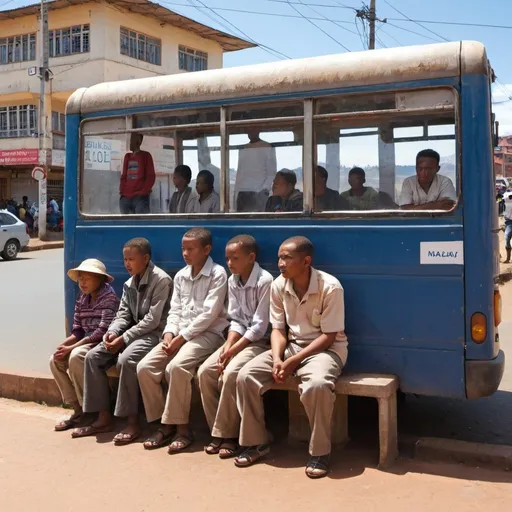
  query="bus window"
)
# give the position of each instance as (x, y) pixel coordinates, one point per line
(266, 158)
(369, 156)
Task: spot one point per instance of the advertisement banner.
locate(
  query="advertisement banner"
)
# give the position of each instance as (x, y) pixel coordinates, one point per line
(19, 157)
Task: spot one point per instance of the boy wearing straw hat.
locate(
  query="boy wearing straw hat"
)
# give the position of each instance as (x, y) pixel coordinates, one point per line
(136, 329)
(95, 309)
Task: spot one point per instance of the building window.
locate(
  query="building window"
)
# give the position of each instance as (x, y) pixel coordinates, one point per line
(192, 60)
(17, 48)
(58, 122)
(70, 40)
(141, 47)
(18, 121)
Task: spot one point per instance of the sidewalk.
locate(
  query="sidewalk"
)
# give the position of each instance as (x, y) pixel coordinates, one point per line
(48, 471)
(37, 245)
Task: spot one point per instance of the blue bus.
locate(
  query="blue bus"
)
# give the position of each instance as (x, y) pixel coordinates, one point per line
(420, 292)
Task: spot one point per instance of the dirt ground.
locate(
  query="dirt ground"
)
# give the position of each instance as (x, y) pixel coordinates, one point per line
(47, 471)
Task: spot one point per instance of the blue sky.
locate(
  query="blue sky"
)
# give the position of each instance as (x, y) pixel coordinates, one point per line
(285, 31)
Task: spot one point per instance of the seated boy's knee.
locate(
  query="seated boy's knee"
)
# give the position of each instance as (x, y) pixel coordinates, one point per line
(230, 377)
(315, 385)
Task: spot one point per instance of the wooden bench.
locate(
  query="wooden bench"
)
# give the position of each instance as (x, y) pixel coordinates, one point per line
(381, 387)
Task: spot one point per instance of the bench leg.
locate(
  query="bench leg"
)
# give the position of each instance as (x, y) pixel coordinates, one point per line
(388, 436)
(299, 429)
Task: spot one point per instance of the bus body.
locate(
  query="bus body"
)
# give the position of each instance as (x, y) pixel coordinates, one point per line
(420, 294)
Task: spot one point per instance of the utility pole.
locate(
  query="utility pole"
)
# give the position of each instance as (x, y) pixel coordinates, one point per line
(371, 20)
(44, 138)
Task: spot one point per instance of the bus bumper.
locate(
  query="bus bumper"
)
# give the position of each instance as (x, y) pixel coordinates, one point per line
(484, 377)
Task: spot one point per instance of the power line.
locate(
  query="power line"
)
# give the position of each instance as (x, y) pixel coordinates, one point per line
(327, 19)
(416, 22)
(411, 31)
(268, 49)
(338, 6)
(390, 36)
(315, 25)
(457, 23)
(363, 41)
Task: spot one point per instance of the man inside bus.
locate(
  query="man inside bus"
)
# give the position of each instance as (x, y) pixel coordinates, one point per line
(359, 197)
(428, 190)
(206, 200)
(326, 199)
(257, 167)
(137, 178)
(285, 198)
(183, 196)
(308, 340)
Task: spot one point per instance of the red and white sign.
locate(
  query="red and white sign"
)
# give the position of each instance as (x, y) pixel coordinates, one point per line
(19, 156)
(38, 173)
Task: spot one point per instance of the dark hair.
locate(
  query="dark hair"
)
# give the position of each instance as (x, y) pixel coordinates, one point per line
(141, 244)
(139, 135)
(322, 171)
(24, 198)
(289, 176)
(184, 171)
(201, 234)
(357, 170)
(302, 245)
(247, 243)
(208, 177)
(428, 153)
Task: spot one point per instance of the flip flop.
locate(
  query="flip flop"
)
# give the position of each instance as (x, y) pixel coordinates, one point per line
(251, 455)
(317, 463)
(228, 449)
(214, 447)
(154, 442)
(91, 430)
(123, 438)
(71, 422)
(185, 442)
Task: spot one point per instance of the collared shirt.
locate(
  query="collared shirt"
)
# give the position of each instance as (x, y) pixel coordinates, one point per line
(209, 205)
(329, 201)
(440, 188)
(257, 167)
(92, 319)
(144, 305)
(248, 305)
(198, 303)
(369, 200)
(321, 310)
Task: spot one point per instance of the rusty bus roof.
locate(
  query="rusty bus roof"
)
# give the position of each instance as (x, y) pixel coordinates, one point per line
(228, 42)
(386, 66)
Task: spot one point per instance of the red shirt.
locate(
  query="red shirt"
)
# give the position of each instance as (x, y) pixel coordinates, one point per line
(138, 176)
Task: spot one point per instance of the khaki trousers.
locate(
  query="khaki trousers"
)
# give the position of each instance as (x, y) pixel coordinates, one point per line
(178, 371)
(218, 392)
(69, 375)
(318, 375)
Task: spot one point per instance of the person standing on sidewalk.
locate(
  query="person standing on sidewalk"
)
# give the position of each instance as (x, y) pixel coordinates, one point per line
(248, 336)
(136, 329)
(508, 227)
(307, 314)
(137, 179)
(95, 309)
(194, 330)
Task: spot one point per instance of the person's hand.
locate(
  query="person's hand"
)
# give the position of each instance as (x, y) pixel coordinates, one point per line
(172, 348)
(446, 204)
(276, 370)
(62, 351)
(110, 336)
(225, 356)
(116, 345)
(166, 343)
(287, 369)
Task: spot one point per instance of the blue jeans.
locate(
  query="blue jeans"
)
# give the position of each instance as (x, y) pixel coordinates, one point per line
(508, 235)
(134, 205)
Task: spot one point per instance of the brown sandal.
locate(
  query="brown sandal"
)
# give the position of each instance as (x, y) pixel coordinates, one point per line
(214, 446)
(91, 430)
(228, 449)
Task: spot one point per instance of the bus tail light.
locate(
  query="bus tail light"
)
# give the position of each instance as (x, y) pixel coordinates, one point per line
(478, 327)
(497, 308)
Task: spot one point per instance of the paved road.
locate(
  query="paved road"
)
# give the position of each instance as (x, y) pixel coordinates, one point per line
(32, 324)
(92, 474)
(32, 310)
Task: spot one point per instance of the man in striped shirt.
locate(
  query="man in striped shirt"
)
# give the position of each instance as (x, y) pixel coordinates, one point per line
(95, 309)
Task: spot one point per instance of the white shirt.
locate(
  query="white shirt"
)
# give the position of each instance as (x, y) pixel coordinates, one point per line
(249, 304)
(198, 304)
(210, 205)
(440, 188)
(257, 167)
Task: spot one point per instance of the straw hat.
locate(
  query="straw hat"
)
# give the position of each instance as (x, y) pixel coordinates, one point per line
(92, 266)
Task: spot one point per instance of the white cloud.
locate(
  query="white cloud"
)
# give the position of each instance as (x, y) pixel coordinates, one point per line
(502, 107)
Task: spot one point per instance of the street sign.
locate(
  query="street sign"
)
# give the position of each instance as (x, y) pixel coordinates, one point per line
(38, 173)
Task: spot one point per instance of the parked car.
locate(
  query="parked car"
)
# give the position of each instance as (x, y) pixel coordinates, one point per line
(13, 235)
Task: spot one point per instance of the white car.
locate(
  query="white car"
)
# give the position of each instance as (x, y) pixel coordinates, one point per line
(13, 235)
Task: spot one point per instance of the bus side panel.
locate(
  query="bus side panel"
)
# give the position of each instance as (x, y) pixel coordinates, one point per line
(479, 210)
(401, 317)
(71, 213)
